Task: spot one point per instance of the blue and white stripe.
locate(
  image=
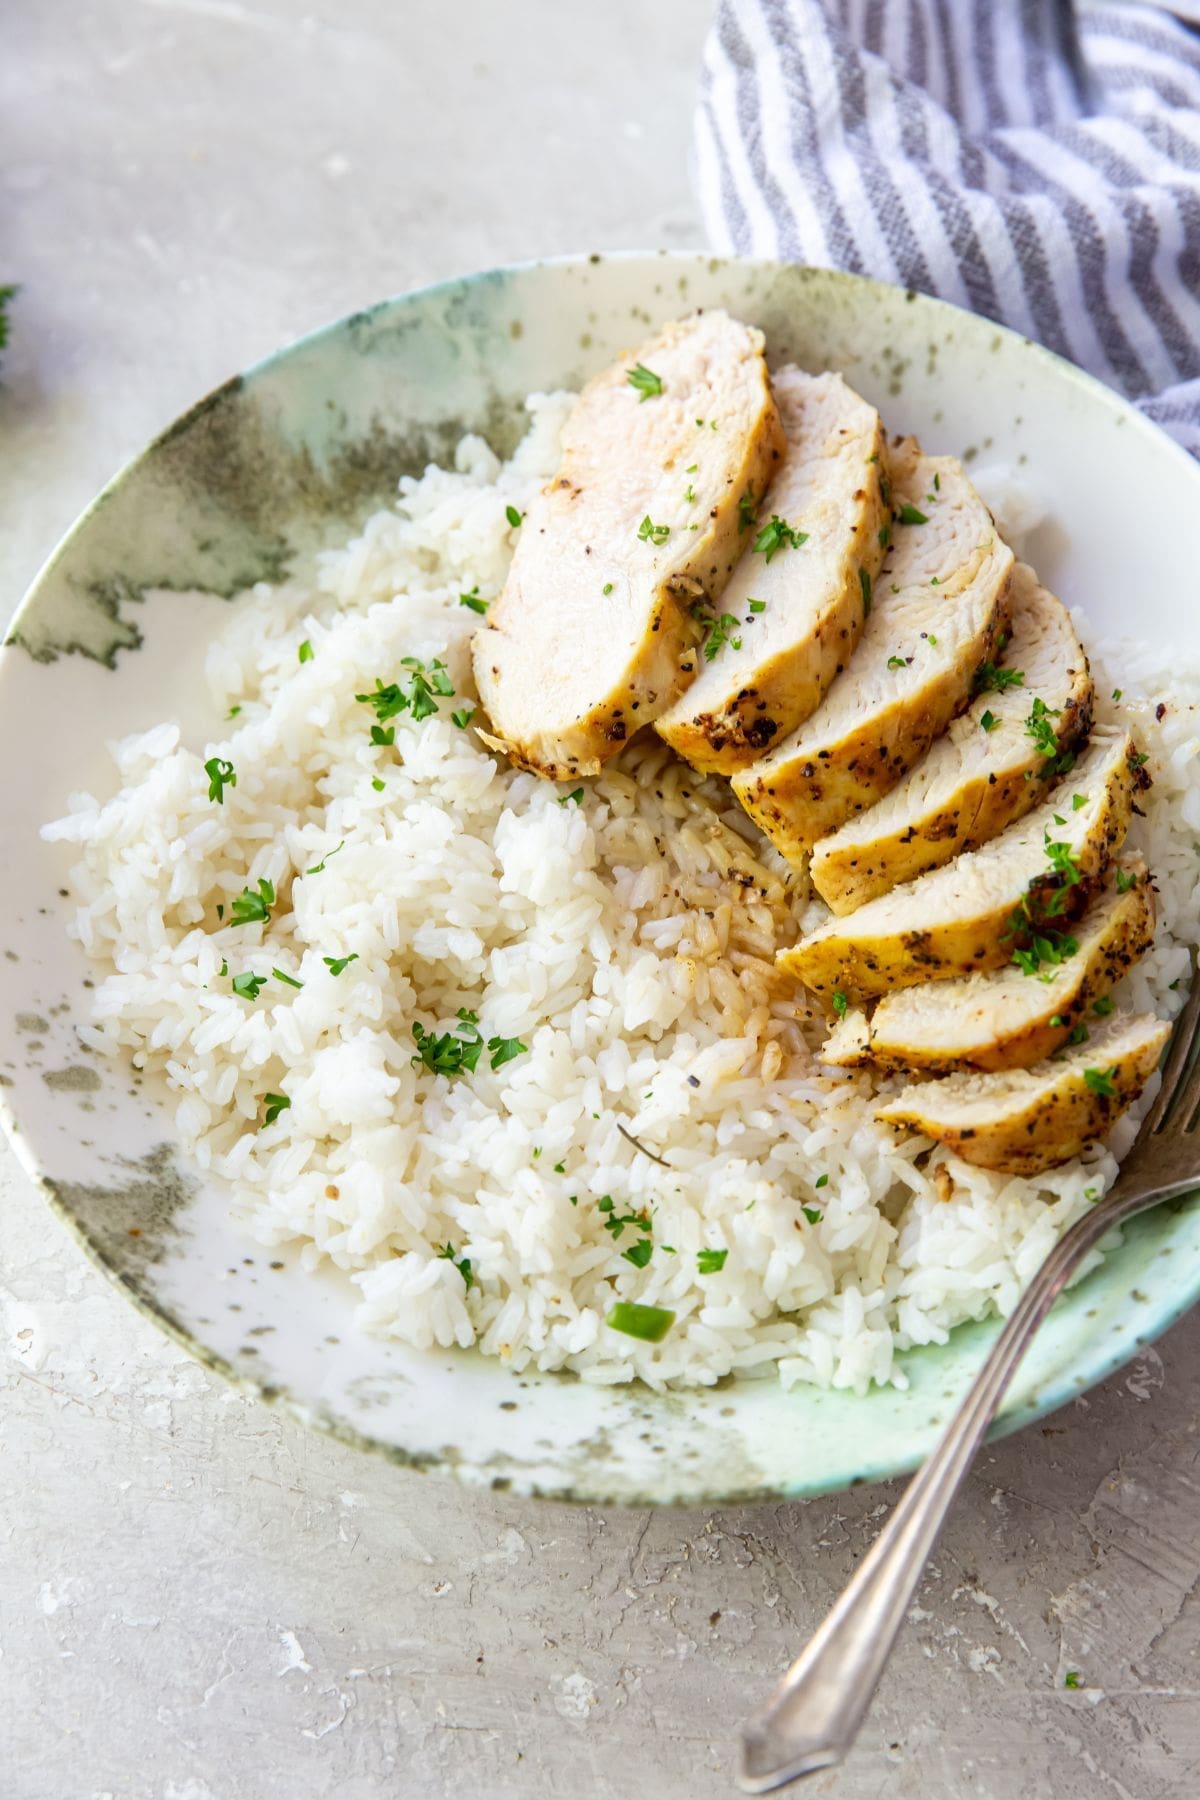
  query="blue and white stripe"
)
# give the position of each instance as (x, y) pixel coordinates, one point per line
(1030, 160)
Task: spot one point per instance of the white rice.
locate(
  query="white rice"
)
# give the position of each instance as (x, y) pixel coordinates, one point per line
(627, 941)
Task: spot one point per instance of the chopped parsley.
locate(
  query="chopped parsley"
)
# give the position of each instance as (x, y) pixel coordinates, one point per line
(253, 907)
(233, 712)
(616, 1222)
(651, 533)
(821, 1181)
(1125, 881)
(447, 1253)
(897, 662)
(929, 637)
(1071, 1678)
(990, 679)
(417, 692)
(1078, 802)
(576, 795)
(513, 516)
(989, 721)
(757, 606)
(449, 1052)
(249, 986)
(1062, 861)
(1101, 1081)
(885, 535)
(813, 1214)
(377, 784)
(1079, 1034)
(1103, 1006)
(1047, 949)
(864, 582)
(317, 867)
(911, 515)
(221, 774)
(1116, 693)
(841, 1005)
(289, 979)
(473, 601)
(1039, 728)
(650, 1323)
(689, 494)
(275, 1104)
(607, 588)
(644, 381)
(502, 1050)
(462, 718)
(748, 507)
(305, 652)
(719, 632)
(710, 1262)
(639, 1254)
(774, 536)
(336, 964)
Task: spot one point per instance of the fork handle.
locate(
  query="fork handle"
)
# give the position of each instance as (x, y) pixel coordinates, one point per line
(813, 1716)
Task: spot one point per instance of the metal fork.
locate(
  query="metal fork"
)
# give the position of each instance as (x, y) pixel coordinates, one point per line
(813, 1716)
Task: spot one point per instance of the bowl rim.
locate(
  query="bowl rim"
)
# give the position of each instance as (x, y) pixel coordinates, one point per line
(1111, 1354)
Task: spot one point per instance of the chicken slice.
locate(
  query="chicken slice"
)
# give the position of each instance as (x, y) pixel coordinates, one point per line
(971, 913)
(991, 767)
(792, 613)
(940, 603)
(593, 634)
(1016, 1015)
(1021, 1121)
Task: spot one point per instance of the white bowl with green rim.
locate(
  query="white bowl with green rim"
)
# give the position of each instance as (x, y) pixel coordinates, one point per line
(245, 486)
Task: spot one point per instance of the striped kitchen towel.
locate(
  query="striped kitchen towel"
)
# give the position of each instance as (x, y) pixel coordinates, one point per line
(1031, 160)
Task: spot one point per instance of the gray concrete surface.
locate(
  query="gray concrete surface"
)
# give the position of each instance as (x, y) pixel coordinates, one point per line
(198, 1600)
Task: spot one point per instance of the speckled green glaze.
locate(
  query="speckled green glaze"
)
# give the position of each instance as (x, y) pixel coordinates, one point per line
(245, 487)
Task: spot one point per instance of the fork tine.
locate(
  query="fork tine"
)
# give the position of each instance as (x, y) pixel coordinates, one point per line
(1182, 1039)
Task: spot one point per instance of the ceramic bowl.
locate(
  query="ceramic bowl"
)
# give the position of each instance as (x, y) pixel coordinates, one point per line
(245, 486)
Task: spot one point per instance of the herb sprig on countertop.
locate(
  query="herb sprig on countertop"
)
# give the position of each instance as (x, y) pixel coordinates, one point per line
(7, 294)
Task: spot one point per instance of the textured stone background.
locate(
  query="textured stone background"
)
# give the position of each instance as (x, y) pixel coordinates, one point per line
(198, 1600)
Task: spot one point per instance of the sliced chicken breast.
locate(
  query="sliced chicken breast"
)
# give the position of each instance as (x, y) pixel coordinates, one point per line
(939, 606)
(1048, 996)
(793, 610)
(593, 634)
(1021, 1121)
(973, 912)
(993, 765)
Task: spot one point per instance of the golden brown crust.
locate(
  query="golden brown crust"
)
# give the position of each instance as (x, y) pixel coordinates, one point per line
(882, 848)
(1047, 1124)
(873, 950)
(1048, 1017)
(789, 684)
